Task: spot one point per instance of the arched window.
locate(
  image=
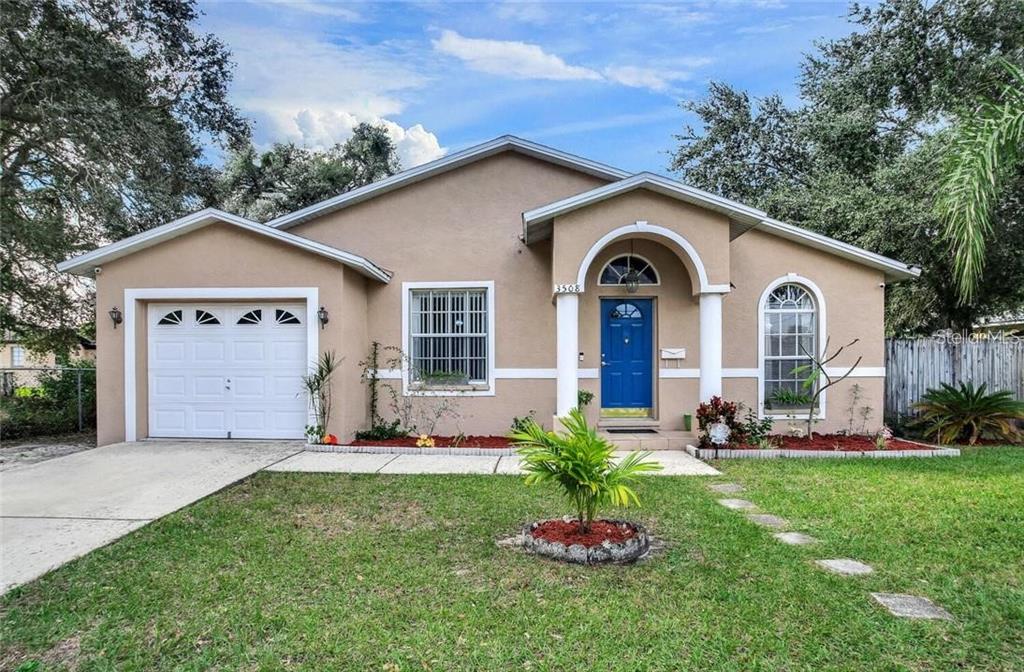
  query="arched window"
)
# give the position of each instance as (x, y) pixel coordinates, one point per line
(285, 317)
(790, 323)
(206, 317)
(171, 318)
(616, 270)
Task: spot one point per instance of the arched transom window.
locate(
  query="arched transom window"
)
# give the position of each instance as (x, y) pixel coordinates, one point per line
(616, 271)
(790, 338)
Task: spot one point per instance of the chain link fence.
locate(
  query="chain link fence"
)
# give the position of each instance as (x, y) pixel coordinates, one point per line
(41, 400)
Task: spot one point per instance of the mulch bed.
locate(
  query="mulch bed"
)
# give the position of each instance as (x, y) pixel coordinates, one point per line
(441, 442)
(838, 442)
(568, 532)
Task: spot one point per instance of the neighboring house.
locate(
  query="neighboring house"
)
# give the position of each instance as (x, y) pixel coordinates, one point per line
(21, 368)
(511, 273)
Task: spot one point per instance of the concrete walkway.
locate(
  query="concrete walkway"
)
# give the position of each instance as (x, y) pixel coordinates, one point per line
(55, 511)
(675, 463)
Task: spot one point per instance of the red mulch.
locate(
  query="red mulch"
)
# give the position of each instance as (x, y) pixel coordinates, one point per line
(441, 442)
(840, 442)
(569, 533)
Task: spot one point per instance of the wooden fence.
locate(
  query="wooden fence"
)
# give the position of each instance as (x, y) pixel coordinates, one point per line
(914, 365)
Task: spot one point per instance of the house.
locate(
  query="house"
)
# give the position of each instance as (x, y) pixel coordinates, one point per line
(20, 367)
(511, 274)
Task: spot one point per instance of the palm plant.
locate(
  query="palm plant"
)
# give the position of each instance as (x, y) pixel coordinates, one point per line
(987, 144)
(318, 387)
(952, 414)
(580, 462)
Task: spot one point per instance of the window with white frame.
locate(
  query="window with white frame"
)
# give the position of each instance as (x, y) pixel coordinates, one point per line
(790, 338)
(448, 337)
(17, 356)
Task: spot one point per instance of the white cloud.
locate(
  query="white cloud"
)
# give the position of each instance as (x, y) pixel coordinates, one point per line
(524, 12)
(645, 78)
(332, 9)
(306, 90)
(519, 60)
(324, 128)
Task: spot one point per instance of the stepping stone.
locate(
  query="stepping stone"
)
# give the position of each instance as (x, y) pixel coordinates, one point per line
(845, 566)
(737, 504)
(911, 606)
(727, 488)
(767, 520)
(795, 538)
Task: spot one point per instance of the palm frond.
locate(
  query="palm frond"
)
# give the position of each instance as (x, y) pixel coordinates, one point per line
(986, 144)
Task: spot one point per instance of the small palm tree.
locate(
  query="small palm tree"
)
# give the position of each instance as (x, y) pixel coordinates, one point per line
(951, 414)
(986, 146)
(580, 462)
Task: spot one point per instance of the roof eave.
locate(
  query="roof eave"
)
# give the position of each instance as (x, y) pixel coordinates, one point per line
(86, 263)
(656, 183)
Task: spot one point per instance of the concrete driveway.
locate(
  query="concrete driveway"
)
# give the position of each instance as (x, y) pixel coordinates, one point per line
(57, 510)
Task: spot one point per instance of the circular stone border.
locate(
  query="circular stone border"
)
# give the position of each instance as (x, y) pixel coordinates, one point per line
(627, 551)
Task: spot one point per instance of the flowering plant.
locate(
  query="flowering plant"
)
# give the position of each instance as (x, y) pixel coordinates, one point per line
(717, 411)
(425, 441)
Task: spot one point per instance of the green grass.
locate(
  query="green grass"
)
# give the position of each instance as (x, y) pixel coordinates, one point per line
(293, 571)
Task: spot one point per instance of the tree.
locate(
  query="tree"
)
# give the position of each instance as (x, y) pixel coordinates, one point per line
(988, 144)
(288, 177)
(860, 159)
(102, 108)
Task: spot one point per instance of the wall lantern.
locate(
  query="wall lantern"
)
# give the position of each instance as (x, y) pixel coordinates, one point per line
(632, 281)
(632, 277)
(115, 316)
(324, 317)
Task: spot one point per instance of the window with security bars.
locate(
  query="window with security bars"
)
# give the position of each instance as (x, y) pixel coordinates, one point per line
(448, 337)
(790, 336)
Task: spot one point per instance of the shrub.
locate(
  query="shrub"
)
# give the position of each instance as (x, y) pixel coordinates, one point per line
(758, 431)
(715, 411)
(52, 407)
(584, 397)
(952, 415)
(580, 462)
(319, 389)
(521, 424)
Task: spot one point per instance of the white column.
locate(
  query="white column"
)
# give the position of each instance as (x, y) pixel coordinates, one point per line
(710, 346)
(567, 325)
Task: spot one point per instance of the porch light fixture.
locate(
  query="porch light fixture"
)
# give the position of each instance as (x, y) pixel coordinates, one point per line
(632, 277)
(323, 316)
(115, 316)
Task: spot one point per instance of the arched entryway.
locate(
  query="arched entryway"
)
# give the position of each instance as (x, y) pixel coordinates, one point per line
(628, 374)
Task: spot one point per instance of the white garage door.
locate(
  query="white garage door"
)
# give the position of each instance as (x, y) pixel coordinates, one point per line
(221, 370)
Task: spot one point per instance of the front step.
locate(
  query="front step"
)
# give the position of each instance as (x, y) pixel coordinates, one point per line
(658, 440)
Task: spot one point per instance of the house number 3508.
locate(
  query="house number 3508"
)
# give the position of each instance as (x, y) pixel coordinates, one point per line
(573, 288)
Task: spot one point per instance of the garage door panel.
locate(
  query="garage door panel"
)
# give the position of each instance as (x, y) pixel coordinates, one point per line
(240, 378)
(168, 352)
(168, 387)
(205, 388)
(284, 352)
(249, 352)
(249, 387)
(209, 351)
(168, 422)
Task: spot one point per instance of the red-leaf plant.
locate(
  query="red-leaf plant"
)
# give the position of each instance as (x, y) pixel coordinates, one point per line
(718, 410)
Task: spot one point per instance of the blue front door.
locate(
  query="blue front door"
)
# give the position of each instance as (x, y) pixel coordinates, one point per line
(626, 353)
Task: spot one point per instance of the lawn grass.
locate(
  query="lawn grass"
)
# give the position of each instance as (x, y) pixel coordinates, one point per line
(298, 571)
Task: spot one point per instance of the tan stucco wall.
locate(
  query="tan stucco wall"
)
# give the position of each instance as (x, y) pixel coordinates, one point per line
(465, 225)
(576, 232)
(218, 255)
(854, 309)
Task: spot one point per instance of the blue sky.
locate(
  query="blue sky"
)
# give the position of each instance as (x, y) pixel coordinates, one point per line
(598, 79)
